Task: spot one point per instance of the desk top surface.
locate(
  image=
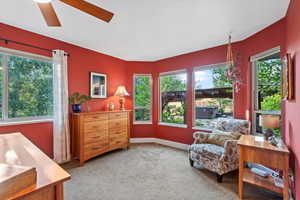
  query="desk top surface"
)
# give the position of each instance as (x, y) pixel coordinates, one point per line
(16, 149)
(259, 142)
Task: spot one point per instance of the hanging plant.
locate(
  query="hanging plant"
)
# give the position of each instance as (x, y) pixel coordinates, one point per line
(232, 73)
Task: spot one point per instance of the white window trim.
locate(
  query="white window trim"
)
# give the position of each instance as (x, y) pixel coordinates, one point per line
(143, 107)
(253, 60)
(200, 68)
(173, 124)
(159, 96)
(4, 120)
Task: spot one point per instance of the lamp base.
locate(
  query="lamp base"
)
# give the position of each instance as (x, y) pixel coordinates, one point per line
(122, 103)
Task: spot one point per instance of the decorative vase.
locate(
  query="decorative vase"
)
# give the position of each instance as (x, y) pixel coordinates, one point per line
(111, 106)
(76, 108)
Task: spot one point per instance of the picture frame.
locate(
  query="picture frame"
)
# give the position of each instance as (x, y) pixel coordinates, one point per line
(287, 78)
(98, 85)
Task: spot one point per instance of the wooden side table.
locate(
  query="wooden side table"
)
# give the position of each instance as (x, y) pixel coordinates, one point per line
(254, 149)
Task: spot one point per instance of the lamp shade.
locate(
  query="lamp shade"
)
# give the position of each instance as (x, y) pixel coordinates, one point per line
(121, 91)
(269, 121)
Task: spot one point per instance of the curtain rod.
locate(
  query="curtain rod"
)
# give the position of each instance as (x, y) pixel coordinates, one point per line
(28, 45)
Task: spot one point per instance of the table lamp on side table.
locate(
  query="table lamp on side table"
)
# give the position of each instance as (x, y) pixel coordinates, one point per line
(122, 92)
(270, 122)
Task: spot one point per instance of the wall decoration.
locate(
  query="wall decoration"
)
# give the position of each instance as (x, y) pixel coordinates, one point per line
(233, 73)
(287, 78)
(98, 85)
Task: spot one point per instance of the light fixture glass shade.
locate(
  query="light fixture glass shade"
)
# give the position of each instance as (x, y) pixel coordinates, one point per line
(269, 121)
(121, 91)
(42, 1)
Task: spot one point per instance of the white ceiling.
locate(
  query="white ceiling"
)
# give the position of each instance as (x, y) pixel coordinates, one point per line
(148, 30)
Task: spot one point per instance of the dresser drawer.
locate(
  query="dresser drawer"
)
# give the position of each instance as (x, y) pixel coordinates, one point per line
(95, 117)
(118, 130)
(118, 115)
(117, 123)
(94, 149)
(95, 126)
(118, 142)
(92, 137)
(115, 139)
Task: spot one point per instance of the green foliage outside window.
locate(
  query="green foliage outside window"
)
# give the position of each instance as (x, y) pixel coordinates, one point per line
(142, 98)
(30, 87)
(173, 112)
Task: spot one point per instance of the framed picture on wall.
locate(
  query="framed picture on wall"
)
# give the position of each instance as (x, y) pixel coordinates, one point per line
(98, 85)
(287, 78)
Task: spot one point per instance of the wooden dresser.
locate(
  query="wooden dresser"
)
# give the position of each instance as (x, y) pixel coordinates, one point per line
(94, 133)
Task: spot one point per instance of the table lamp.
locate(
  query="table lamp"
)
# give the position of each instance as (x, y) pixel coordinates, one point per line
(270, 122)
(121, 92)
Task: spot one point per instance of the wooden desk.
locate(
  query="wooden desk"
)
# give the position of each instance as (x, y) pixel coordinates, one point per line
(15, 149)
(264, 153)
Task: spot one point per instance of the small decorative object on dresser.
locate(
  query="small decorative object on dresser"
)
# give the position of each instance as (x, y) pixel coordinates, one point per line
(95, 133)
(98, 85)
(122, 92)
(76, 100)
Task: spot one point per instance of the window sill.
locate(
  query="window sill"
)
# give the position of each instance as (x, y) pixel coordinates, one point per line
(35, 121)
(142, 123)
(174, 125)
(201, 129)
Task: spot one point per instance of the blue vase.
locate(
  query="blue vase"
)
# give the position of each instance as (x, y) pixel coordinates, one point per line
(77, 108)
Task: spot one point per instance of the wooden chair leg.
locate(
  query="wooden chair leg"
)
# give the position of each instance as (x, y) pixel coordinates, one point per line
(219, 178)
(191, 162)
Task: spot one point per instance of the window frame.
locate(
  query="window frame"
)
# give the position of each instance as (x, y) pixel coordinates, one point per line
(150, 107)
(201, 68)
(4, 120)
(159, 96)
(254, 92)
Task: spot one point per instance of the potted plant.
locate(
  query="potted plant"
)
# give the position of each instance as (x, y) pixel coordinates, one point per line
(76, 100)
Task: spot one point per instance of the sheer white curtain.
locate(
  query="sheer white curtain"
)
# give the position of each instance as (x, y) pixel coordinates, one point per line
(61, 130)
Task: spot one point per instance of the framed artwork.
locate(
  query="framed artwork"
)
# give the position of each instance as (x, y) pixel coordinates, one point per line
(98, 85)
(287, 78)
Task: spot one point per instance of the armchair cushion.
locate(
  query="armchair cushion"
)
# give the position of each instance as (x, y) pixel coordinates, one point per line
(217, 137)
(233, 125)
(210, 151)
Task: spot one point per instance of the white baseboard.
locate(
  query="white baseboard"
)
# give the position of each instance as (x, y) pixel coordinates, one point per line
(176, 145)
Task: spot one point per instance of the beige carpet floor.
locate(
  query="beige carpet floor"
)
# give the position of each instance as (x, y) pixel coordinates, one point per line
(151, 172)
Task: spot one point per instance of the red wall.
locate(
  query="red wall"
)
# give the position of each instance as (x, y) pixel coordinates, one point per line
(81, 62)
(139, 130)
(268, 38)
(292, 108)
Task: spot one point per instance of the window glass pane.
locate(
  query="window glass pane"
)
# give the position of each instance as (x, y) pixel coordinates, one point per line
(1, 83)
(142, 91)
(213, 96)
(173, 98)
(142, 114)
(268, 84)
(30, 87)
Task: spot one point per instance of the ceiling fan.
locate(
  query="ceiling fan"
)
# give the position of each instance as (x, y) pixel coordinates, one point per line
(52, 19)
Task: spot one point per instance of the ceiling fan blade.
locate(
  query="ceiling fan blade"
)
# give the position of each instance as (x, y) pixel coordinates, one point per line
(91, 9)
(49, 14)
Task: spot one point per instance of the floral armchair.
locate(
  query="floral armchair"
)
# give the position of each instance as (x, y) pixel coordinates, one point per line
(218, 159)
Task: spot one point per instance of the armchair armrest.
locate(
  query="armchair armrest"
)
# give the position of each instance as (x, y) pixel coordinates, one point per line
(200, 137)
(230, 151)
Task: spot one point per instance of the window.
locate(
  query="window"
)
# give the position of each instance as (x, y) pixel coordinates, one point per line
(173, 86)
(266, 86)
(142, 99)
(26, 83)
(213, 95)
